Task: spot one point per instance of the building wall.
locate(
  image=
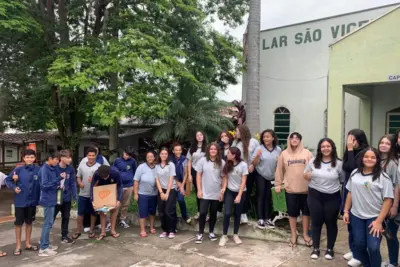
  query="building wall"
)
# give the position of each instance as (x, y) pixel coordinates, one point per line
(294, 70)
(11, 153)
(368, 56)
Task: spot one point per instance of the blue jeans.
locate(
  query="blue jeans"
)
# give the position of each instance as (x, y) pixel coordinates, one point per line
(352, 246)
(47, 225)
(367, 246)
(182, 204)
(393, 244)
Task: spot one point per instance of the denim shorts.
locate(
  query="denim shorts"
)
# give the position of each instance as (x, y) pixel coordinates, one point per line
(147, 205)
(85, 206)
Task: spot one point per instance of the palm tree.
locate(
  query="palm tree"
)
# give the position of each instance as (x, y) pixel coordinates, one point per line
(188, 113)
(253, 67)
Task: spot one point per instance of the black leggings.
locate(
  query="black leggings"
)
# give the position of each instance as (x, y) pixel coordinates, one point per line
(205, 205)
(251, 178)
(194, 176)
(324, 208)
(230, 204)
(167, 211)
(263, 187)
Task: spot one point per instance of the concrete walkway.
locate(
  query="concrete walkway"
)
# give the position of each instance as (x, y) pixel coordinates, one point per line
(131, 250)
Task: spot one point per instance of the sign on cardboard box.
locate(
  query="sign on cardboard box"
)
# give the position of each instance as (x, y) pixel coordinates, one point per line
(105, 196)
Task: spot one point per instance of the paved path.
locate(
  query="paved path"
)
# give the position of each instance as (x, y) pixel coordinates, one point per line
(132, 251)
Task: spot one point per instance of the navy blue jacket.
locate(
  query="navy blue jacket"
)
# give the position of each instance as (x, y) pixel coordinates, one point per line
(28, 182)
(126, 169)
(69, 184)
(114, 178)
(49, 183)
(179, 166)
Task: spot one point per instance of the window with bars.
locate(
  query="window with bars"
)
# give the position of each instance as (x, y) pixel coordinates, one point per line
(393, 121)
(282, 124)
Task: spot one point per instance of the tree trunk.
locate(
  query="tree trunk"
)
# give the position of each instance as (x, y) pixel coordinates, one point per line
(253, 69)
(113, 141)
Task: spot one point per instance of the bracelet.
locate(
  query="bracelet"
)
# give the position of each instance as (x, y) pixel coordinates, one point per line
(346, 211)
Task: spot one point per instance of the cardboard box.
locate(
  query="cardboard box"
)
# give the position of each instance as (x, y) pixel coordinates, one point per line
(105, 196)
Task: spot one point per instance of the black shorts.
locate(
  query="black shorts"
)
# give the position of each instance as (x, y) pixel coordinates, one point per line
(296, 203)
(24, 215)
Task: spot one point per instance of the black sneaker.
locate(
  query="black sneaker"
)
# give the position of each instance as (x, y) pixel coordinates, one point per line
(199, 239)
(67, 240)
(269, 224)
(261, 224)
(212, 237)
(329, 254)
(315, 254)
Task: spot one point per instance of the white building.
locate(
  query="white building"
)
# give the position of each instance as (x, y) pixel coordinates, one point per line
(294, 76)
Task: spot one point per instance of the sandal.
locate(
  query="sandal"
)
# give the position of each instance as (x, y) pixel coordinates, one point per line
(291, 244)
(143, 234)
(2, 254)
(153, 231)
(17, 252)
(32, 248)
(91, 235)
(308, 243)
(101, 237)
(115, 235)
(76, 235)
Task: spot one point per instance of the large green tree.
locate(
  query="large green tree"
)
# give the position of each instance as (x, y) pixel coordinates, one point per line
(96, 61)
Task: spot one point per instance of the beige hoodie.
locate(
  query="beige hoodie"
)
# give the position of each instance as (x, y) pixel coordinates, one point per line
(290, 169)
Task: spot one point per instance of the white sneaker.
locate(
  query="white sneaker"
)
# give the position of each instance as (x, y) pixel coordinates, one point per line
(237, 240)
(123, 224)
(269, 224)
(46, 253)
(385, 263)
(354, 263)
(108, 227)
(53, 248)
(223, 240)
(243, 218)
(348, 256)
(86, 230)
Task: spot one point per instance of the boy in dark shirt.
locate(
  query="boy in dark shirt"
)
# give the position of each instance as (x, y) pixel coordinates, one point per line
(68, 188)
(106, 176)
(25, 184)
(49, 184)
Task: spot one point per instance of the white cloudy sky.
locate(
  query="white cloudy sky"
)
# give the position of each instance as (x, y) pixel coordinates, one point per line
(278, 13)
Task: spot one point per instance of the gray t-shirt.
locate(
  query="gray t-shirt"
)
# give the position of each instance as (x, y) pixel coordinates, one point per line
(235, 176)
(253, 143)
(392, 170)
(327, 178)
(268, 161)
(195, 157)
(164, 174)
(146, 177)
(211, 182)
(84, 172)
(367, 195)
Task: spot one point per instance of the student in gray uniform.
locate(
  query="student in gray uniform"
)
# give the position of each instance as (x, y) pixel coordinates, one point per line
(196, 152)
(166, 199)
(265, 158)
(145, 192)
(236, 171)
(247, 146)
(370, 198)
(209, 183)
(325, 175)
(389, 166)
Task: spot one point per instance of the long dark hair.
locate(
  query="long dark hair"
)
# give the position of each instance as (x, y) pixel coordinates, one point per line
(159, 155)
(377, 170)
(397, 145)
(361, 138)
(219, 141)
(391, 154)
(193, 146)
(154, 154)
(218, 159)
(318, 158)
(275, 142)
(229, 164)
(245, 137)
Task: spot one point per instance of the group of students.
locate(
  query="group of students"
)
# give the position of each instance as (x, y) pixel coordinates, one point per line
(223, 174)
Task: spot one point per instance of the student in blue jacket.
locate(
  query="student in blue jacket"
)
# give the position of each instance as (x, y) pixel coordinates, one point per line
(25, 184)
(68, 188)
(126, 166)
(49, 184)
(106, 176)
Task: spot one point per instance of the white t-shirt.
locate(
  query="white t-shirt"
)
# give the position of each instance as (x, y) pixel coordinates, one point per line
(196, 157)
(253, 144)
(211, 182)
(235, 176)
(165, 173)
(2, 179)
(326, 179)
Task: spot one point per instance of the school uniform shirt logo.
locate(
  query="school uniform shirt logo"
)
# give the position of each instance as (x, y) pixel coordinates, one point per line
(35, 177)
(128, 167)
